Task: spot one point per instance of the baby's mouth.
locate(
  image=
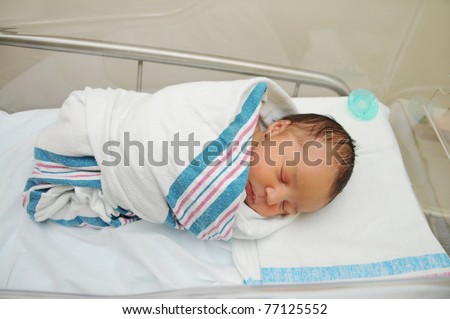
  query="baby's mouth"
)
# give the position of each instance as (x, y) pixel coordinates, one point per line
(250, 195)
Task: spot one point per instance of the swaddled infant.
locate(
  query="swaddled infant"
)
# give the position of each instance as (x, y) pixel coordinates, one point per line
(296, 164)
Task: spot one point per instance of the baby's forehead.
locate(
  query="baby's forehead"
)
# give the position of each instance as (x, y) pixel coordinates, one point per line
(298, 144)
(301, 138)
(311, 161)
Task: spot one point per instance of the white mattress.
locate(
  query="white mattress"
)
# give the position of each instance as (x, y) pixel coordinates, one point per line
(138, 258)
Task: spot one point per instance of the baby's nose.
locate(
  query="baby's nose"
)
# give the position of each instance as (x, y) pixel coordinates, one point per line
(273, 196)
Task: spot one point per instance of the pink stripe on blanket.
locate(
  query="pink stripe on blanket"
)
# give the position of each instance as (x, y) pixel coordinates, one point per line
(50, 166)
(213, 169)
(24, 199)
(225, 236)
(66, 176)
(219, 223)
(217, 188)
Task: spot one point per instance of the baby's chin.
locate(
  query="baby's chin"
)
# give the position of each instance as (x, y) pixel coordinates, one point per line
(259, 211)
(248, 202)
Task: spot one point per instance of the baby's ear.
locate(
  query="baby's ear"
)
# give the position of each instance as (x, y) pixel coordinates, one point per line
(278, 126)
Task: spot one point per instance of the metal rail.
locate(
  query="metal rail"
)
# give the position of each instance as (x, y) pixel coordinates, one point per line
(149, 54)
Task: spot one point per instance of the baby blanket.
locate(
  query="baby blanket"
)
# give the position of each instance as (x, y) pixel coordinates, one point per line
(179, 156)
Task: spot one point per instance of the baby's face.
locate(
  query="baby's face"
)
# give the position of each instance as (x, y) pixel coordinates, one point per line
(282, 178)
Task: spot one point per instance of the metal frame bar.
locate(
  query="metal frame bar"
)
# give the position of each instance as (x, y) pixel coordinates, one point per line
(411, 288)
(174, 57)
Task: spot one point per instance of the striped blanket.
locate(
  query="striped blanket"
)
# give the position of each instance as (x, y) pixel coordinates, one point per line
(179, 156)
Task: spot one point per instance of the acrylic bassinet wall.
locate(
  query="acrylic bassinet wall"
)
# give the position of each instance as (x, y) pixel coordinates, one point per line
(398, 51)
(395, 49)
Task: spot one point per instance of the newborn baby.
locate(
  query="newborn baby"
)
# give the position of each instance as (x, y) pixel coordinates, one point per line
(299, 164)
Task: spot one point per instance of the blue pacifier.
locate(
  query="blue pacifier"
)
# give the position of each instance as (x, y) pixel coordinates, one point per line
(363, 104)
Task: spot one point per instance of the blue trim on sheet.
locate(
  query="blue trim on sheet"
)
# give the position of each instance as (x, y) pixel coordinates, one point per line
(201, 162)
(392, 267)
(69, 161)
(251, 281)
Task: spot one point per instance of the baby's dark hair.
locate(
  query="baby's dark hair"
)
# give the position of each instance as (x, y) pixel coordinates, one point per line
(326, 129)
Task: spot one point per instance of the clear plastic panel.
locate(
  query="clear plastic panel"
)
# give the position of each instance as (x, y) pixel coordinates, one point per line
(438, 113)
(433, 137)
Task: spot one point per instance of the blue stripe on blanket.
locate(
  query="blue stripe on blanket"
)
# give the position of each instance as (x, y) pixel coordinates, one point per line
(34, 197)
(220, 204)
(201, 162)
(275, 275)
(218, 176)
(69, 161)
(170, 219)
(218, 146)
(58, 160)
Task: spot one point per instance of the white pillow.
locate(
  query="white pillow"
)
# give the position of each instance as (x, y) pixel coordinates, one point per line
(374, 229)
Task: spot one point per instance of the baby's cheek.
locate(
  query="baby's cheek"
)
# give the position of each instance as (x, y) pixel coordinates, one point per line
(257, 167)
(266, 210)
(254, 159)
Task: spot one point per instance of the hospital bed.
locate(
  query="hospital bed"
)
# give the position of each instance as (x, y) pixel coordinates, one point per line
(378, 210)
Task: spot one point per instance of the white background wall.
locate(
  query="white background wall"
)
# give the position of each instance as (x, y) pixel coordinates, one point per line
(395, 48)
